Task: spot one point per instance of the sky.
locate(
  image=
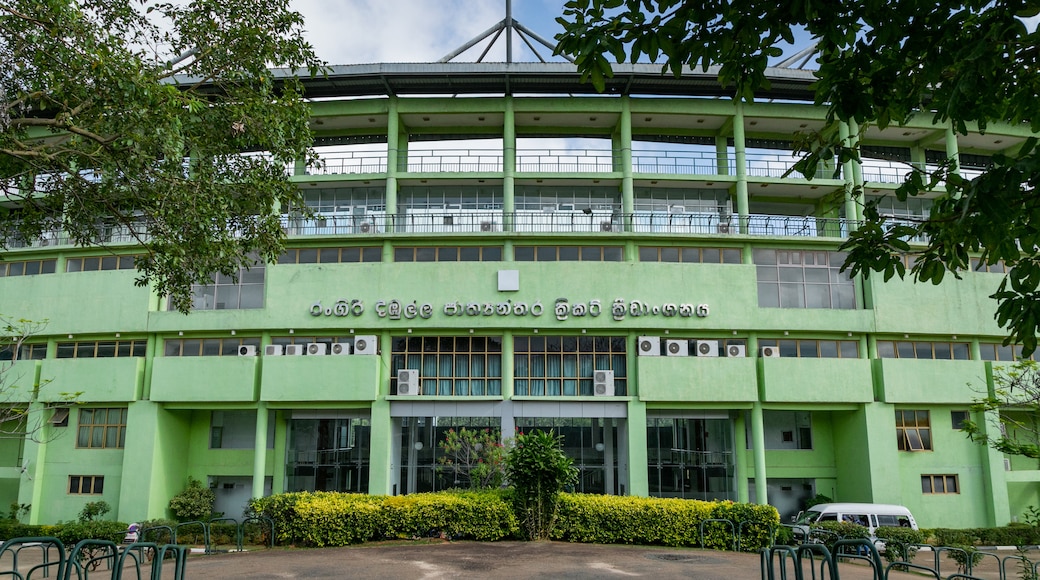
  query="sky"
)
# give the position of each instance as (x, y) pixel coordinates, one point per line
(423, 31)
(372, 31)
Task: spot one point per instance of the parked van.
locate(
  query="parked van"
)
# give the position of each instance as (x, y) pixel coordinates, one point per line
(869, 515)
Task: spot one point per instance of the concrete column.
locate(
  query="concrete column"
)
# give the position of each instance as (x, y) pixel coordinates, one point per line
(633, 458)
(393, 146)
(507, 366)
(508, 165)
(847, 174)
(857, 169)
(740, 456)
(722, 154)
(627, 185)
(260, 450)
(381, 474)
(953, 150)
(758, 448)
(740, 154)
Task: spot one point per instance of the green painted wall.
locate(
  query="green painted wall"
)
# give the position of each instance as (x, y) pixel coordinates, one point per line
(104, 301)
(817, 380)
(156, 460)
(204, 379)
(313, 378)
(932, 381)
(690, 379)
(954, 307)
(97, 380)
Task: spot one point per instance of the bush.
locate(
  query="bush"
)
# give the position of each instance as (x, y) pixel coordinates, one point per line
(71, 533)
(609, 519)
(338, 519)
(970, 554)
(539, 471)
(195, 503)
(834, 531)
(900, 543)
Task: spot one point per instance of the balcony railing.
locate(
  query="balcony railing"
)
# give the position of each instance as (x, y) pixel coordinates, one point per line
(596, 222)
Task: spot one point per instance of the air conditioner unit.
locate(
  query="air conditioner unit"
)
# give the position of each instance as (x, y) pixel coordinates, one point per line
(317, 348)
(340, 348)
(736, 350)
(707, 347)
(677, 347)
(408, 382)
(273, 350)
(487, 226)
(606, 226)
(294, 350)
(366, 344)
(770, 352)
(649, 345)
(246, 350)
(366, 227)
(603, 383)
(1007, 464)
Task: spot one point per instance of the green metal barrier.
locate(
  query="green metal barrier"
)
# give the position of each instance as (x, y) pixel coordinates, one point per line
(155, 529)
(205, 533)
(781, 553)
(47, 543)
(238, 530)
(908, 566)
(858, 546)
(732, 530)
(810, 551)
(1022, 561)
(261, 520)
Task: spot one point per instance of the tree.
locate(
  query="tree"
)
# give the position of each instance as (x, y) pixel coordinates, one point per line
(194, 503)
(539, 470)
(879, 63)
(161, 120)
(476, 457)
(1013, 409)
(17, 418)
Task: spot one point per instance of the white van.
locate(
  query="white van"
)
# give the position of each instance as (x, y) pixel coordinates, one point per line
(869, 515)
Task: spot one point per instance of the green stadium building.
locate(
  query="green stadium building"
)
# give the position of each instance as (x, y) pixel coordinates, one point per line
(499, 246)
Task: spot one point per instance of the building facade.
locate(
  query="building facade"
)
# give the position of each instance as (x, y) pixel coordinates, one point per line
(495, 247)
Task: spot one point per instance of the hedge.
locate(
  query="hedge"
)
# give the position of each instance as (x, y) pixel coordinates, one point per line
(1012, 535)
(337, 519)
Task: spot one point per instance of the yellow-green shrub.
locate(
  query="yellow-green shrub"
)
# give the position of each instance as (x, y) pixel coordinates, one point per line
(337, 519)
(656, 521)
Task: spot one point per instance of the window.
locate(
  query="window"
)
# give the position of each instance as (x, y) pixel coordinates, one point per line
(96, 263)
(995, 351)
(998, 268)
(939, 484)
(36, 351)
(332, 255)
(449, 254)
(102, 349)
(563, 365)
(86, 484)
(923, 350)
(245, 290)
(450, 365)
(567, 253)
(101, 428)
(689, 255)
(207, 346)
(803, 279)
(27, 268)
(913, 430)
(813, 348)
(957, 419)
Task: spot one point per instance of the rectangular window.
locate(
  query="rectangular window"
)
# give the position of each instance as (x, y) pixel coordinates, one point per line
(803, 279)
(27, 268)
(450, 365)
(940, 484)
(96, 263)
(957, 419)
(567, 253)
(923, 350)
(689, 255)
(564, 365)
(332, 255)
(812, 348)
(913, 431)
(103, 428)
(208, 346)
(86, 484)
(995, 351)
(242, 291)
(999, 267)
(101, 349)
(449, 254)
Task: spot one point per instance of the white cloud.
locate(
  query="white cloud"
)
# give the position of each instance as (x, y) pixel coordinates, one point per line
(372, 31)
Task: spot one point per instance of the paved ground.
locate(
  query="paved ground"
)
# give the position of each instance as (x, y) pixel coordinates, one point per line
(499, 560)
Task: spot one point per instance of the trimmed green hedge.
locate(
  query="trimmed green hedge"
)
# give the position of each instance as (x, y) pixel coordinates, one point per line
(69, 533)
(607, 519)
(1012, 535)
(337, 519)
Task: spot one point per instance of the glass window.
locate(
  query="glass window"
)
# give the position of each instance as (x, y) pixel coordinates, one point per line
(939, 484)
(450, 366)
(790, 279)
(564, 366)
(913, 430)
(227, 294)
(101, 428)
